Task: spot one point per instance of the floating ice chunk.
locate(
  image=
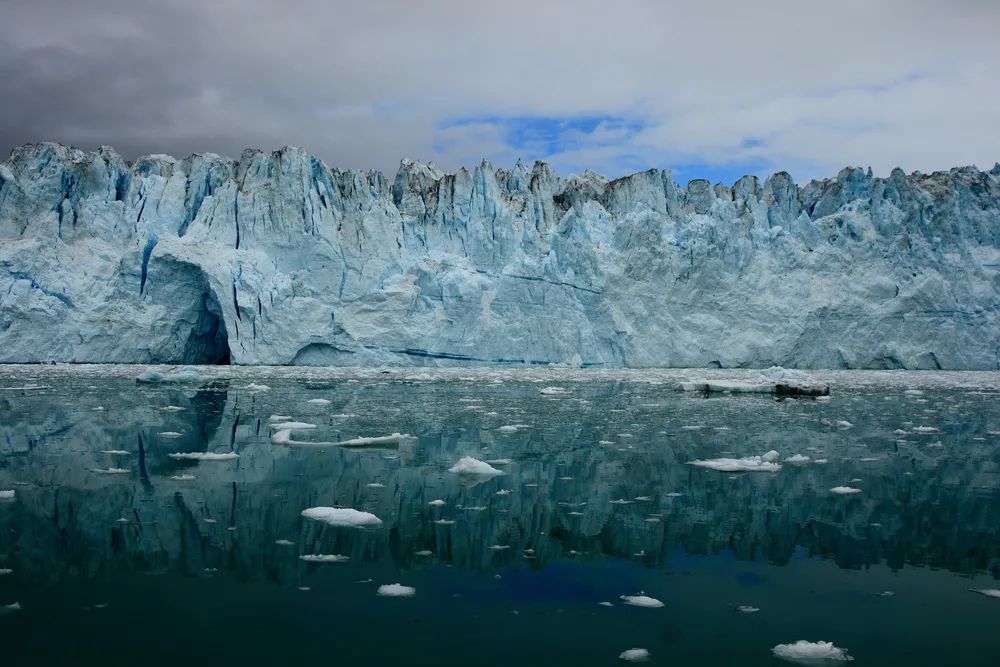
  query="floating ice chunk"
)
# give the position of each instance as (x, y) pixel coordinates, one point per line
(747, 609)
(184, 375)
(509, 428)
(10, 608)
(319, 401)
(423, 553)
(806, 652)
(551, 391)
(606, 604)
(115, 452)
(797, 458)
(285, 543)
(498, 547)
(204, 456)
(642, 600)
(503, 492)
(172, 408)
(643, 499)
(500, 462)
(5, 571)
(634, 655)
(342, 516)
(391, 439)
(396, 591)
(844, 490)
(279, 418)
(885, 594)
(913, 392)
(170, 434)
(253, 386)
(470, 466)
(821, 461)
(7, 494)
(765, 463)
(674, 494)
(375, 485)
(324, 558)
(99, 408)
(926, 429)
(444, 522)
(838, 423)
(110, 471)
(621, 501)
(437, 503)
(182, 478)
(988, 592)
(292, 426)
(210, 520)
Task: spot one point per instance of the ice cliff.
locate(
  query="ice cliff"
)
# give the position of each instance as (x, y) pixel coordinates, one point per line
(276, 258)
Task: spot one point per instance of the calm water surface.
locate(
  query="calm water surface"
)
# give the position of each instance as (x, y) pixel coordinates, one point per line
(178, 561)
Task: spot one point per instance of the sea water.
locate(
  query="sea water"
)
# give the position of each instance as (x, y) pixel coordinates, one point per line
(114, 550)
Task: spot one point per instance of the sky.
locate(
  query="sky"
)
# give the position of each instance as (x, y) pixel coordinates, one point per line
(709, 89)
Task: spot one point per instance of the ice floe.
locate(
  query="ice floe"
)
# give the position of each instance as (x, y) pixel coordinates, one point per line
(396, 591)
(634, 655)
(318, 401)
(747, 609)
(110, 471)
(184, 375)
(342, 516)
(170, 434)
(253, 386)
(7, 494)
(182, 478)
(284, 543)
(437, 503)
(798, 459)
(764, 463)
(988, 592)
(115, 452)
(641, 600)
(806, 652)
(324, 558)
(204, 456)
(468, 465)
(844, 490)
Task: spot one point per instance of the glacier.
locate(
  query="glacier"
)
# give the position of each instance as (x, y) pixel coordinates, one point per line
(278, 259)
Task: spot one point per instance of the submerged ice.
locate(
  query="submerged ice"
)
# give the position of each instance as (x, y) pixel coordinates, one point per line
(276, 258)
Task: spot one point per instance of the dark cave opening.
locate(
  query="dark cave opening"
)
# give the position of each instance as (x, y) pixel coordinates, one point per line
(207, 342)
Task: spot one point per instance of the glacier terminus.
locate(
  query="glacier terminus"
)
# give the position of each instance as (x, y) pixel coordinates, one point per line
(278, 259)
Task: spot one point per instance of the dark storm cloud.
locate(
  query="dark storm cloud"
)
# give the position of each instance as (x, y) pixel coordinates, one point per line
(807, 86)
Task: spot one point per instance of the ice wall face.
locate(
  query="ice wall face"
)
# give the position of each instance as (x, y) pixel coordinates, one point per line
(278, 259)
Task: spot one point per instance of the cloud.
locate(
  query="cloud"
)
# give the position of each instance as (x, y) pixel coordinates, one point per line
(616, 87)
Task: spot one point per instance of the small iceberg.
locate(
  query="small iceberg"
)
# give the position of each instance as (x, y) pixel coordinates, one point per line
(796, 459)
(110, 471)
(170, 434)
(182, 478)
(318, 401)
(5, 571)
(10, 608)
(7, 494)
(764, 463)
(324, 558)
(204, 456)
(291, 426)
(844, 490)
(342, 516)
(184, 375)
(437, 503)
(641, 600)
(470, 466)
(988, 592)
(253, 386)
(551, 391)
(805, 652)
(396, 591)
(391, 439)
(634, 655)
(115, 452)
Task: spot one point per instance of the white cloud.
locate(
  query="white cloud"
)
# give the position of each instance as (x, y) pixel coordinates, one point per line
(799, 85)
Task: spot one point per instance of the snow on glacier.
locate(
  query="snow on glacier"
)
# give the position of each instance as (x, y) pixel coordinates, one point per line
(212, 260)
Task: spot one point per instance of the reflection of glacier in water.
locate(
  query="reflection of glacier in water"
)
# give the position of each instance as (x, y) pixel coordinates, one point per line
(594, 482)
